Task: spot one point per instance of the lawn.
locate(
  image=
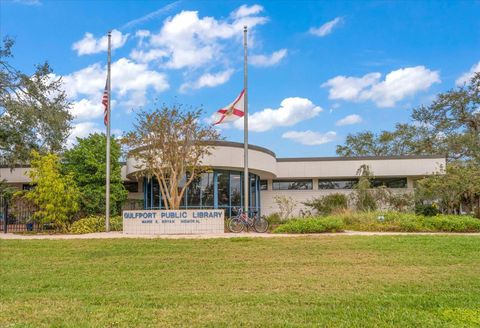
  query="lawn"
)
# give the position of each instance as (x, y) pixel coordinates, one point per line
(337, 281)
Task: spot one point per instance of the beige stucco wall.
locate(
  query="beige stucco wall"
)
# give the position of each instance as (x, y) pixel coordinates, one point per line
(269, 206)
(17, 175)
(348, 168)
(222, 157)
(267, 166)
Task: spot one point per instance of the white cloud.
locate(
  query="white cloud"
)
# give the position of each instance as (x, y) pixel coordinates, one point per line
(326, 28)
(245, 10)
(147, 56)
(349, 119)
(396, 86)
(130, 83)
(151, 15)
(310, 138)
(349, 87)
(142, 33)
(87, 109)
(81, 130)
(126, 76)
(466, 77)
(208, 80)
(87, 81)
(129, 76)
(191, 41)
(264, 60)
(291, 111)
(90, 45)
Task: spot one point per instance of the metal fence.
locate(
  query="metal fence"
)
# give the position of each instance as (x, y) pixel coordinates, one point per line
(17, 217)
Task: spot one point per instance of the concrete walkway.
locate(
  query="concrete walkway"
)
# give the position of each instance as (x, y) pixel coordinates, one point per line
(113, 235)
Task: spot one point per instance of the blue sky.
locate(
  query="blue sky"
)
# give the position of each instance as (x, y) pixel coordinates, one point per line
(318, 70)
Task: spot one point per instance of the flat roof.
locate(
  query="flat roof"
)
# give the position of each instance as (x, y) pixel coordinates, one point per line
(320, 159)
(355, 158)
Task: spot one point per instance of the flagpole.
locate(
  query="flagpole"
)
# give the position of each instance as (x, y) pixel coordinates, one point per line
(107, 182)
(246, 181)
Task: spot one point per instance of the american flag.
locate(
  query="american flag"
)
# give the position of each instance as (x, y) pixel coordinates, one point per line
(105, 103)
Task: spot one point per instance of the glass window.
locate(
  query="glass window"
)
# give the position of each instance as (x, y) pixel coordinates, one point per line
(28, 186)
(206, 188)
(336, 184)
(235, 190)
(131, 186)
(201, 192)
(253, 191)
(292, 185)
(223, 189)
(193, 193)
(263, 185)
(156, 194)
(390, 183)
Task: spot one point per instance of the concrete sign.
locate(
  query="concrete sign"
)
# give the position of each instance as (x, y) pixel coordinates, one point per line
(165, 222)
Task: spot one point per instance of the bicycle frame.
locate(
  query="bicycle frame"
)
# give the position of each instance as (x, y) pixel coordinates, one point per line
(246, 221)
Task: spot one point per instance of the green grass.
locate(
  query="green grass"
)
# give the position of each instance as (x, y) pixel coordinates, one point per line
(339, 281)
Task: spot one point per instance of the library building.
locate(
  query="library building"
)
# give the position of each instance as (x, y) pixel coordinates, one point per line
(300, 178)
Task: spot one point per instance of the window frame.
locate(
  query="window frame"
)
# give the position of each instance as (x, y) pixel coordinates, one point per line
(277, 183)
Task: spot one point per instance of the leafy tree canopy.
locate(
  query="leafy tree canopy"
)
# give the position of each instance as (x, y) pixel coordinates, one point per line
(33, 110)
(86, 162)
(55, 195)
(459, 187)
(449, 126)
(171, 143)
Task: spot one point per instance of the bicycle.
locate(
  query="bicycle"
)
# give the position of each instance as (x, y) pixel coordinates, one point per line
(241, 221)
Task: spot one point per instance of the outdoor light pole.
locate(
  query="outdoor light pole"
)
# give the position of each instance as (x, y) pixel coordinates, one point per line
(107, 180)
(245, 122)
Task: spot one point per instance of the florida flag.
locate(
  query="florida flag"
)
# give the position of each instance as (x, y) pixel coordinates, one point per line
(233, 111)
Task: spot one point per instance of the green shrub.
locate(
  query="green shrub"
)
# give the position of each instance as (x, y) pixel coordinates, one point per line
(411, 224)
(426, 209)
(274, 219)
(327, 204)
(93, 224)
(312, 225)
(402, 202)
(453, 223)
(408, 222)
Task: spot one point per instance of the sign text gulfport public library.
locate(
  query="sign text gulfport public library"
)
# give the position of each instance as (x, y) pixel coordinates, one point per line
(173, 221)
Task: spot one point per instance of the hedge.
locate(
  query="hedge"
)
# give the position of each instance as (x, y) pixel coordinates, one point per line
(96, 223)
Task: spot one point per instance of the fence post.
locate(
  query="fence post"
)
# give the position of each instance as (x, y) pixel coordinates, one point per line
(5, 217)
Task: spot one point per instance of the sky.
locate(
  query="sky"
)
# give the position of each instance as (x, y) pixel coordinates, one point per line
(317, 71)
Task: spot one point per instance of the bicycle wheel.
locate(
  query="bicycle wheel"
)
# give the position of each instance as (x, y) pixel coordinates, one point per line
(235, 225)
(260, 225)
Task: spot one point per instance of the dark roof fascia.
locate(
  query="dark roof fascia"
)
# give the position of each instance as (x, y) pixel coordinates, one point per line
(357, 158)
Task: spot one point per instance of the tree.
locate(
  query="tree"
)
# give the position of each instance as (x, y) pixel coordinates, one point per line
(450, 126)
(86, 162)
(33, 110)
(170, 143)
(404, 140)
(458, 187)
(328, 204)
(286, 206)
(55, 195)
(363, 196)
